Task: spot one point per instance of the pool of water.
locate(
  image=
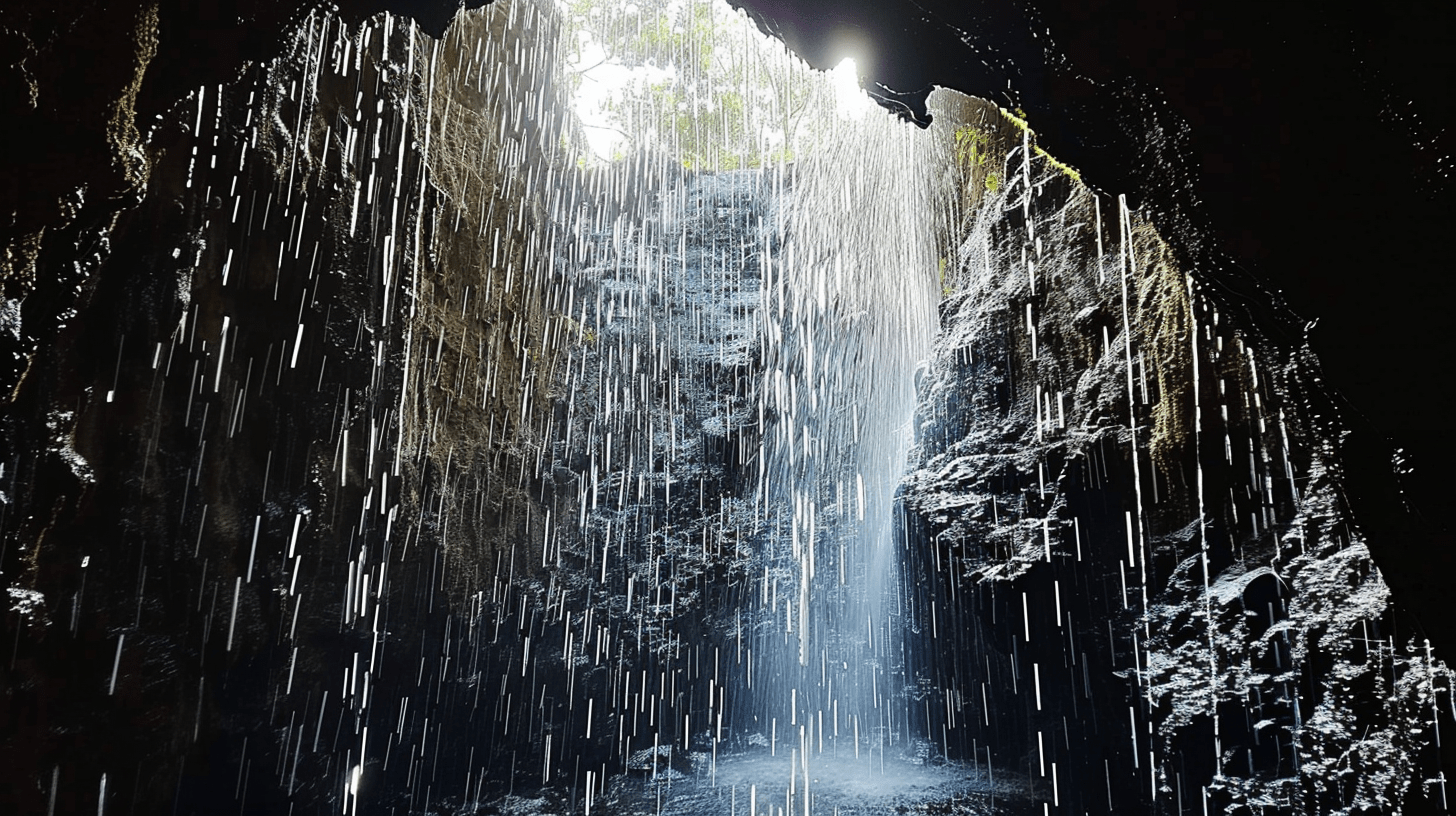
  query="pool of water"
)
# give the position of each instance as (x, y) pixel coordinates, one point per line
(781, 783)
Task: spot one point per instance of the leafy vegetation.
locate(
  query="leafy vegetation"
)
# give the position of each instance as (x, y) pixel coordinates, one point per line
(1019, 119)
(972, 152)
(697, 79)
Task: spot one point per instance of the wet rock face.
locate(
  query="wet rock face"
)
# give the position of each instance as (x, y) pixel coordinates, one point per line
(1134, 506)
(392, 392)
(82, 88)
(221, 416)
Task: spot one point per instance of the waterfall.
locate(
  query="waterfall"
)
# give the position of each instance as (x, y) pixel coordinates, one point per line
(756, 334)
(850, 314)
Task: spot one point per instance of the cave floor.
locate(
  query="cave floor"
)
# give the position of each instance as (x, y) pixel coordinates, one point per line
(759, 782)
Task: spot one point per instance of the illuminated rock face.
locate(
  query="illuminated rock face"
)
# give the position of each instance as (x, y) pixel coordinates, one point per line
(1128, 505)
(381, 458)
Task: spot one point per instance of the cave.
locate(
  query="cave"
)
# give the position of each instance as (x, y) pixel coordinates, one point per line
(566, 407)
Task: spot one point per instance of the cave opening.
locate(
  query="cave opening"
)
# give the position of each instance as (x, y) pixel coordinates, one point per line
(590, 407)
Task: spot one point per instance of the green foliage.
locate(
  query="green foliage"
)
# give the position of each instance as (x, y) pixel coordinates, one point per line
(722, 96)
(973, 152)
(577, 330)
(632, 36)
(1062, 167)
(1019, 119)
(970, 147)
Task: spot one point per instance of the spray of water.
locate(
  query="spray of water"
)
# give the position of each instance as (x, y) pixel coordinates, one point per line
(849, 315)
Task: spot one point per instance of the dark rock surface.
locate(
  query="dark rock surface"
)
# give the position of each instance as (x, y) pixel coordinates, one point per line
(1143, 501)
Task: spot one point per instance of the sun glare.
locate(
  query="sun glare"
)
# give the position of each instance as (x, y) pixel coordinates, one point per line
(851, 101)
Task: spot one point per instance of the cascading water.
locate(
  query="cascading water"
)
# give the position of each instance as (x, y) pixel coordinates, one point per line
(849, 317)
(734, 322)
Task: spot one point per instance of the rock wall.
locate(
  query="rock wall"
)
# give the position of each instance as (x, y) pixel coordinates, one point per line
(248, 414)
(1140, 577)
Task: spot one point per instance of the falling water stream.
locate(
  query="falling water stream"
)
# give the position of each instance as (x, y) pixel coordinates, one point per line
(783, 310)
